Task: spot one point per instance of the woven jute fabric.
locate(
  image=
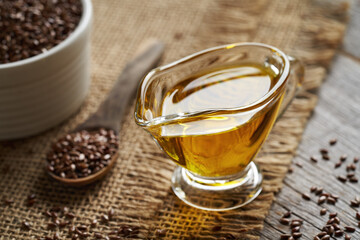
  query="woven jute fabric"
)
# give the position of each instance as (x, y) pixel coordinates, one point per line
(138, 188)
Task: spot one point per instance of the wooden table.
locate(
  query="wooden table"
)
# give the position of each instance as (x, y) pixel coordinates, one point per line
(337, 115)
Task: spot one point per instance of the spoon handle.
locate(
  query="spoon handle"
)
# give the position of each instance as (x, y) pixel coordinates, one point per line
(110, 113)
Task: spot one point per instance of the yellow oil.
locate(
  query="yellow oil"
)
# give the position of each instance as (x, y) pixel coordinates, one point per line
(217, 139)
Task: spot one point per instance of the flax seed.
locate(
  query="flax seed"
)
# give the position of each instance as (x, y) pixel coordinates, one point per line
(333, 141)
(323, 211)
(306, 196)
(349, 229)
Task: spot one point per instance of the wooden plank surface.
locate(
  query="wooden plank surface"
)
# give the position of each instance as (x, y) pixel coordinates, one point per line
(337, 115)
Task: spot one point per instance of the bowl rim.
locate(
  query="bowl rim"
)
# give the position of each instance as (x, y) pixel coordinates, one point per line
(85, 20)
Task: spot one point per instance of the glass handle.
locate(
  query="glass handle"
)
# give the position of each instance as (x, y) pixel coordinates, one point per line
(293, 85)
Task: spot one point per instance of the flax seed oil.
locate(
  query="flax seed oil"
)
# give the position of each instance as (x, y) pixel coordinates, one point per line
(215, 133)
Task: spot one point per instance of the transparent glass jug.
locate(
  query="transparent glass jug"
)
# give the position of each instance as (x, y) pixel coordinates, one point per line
(216, 170)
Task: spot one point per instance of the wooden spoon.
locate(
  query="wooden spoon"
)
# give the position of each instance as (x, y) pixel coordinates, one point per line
(111, 112)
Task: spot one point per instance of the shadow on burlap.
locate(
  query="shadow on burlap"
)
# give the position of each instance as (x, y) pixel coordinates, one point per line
(138, 188)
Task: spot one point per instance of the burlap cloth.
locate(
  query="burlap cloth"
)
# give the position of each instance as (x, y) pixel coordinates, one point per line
(138, 188)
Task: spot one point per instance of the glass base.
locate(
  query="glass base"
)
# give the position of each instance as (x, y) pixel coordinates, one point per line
(219, 193)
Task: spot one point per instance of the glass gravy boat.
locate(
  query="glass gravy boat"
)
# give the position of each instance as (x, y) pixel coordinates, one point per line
(215, 146)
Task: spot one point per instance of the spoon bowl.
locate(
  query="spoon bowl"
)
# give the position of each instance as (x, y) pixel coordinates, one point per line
(79, 182)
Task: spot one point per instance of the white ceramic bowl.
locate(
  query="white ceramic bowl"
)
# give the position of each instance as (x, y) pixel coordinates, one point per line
(40, 92)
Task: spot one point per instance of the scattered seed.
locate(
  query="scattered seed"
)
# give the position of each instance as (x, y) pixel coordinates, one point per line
(331, 201)
(115, 232)
(72, 229)
(98, 235)
(321, 234)
(326, 237)
(306, 196)
(330, 221)
(349, 229)
(285, 236)
(26, 225)
(51, 225)
(126, 230)
(295, 223)
(314, 159)
(94, 223)
(323, 211)
(111, 213)
(298, 220)
(56, 236)
(325, 195)
(297, 235)
(85, 235)
(350, 175)
(319, 191)
(70, 215)
(354, 203)
(337, 165)
(47, 213)
(290, 170)
(356, 159)
(77, 231)
(54, 215)
(336, 226)
(75, 237)
(105, 218)
(321, 200)
(336, 197)
(82, 228)
(343, 158)
(31, 196)
(324, 151)
(287, 214)
(326, 157)
(342, 179)
(331, 230)
(338, 233)
(299, 165)
(313, 189)
(333, 141)
(63, 224)
(351, 167)
(295, 229)
(56, 221)
(353, 179)
(347, 237)
(65, 209)
(284, 221)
